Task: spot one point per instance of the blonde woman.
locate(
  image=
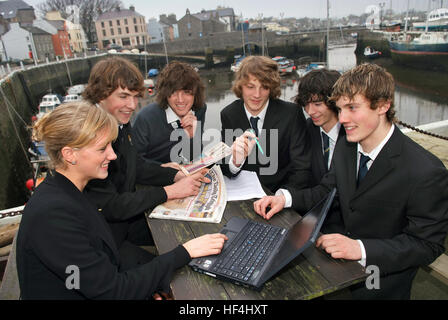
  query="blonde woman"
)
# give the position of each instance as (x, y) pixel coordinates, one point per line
(65, 249)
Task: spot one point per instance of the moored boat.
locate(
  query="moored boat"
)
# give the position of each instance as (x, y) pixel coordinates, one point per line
(371, 53)
(49, 102)
(429, 50)
(236, 63)
(285, 66)
(302, 71)
(437, 20)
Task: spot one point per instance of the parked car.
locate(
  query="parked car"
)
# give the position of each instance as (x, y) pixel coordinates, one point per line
(114, 46)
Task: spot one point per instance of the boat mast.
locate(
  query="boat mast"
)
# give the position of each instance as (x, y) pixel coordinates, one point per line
(242, 33)
(262, 34)
(427, 16)
(328, 30)
(406, 22)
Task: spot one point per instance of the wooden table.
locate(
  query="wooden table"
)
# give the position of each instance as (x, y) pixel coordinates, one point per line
(312, 274)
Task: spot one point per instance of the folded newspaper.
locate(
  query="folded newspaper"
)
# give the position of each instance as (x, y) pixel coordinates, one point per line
(207, 206)
(209, 158)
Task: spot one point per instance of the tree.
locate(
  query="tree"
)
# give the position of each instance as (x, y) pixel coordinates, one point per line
(84, 12)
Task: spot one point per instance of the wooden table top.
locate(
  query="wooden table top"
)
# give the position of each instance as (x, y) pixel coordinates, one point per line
(312, 274)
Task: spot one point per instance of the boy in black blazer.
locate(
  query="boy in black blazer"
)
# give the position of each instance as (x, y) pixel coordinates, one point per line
(393, 194)
(279, 126)
(323, 127)
(115, 84)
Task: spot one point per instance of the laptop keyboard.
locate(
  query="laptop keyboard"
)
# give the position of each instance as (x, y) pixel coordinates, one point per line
(241, 259)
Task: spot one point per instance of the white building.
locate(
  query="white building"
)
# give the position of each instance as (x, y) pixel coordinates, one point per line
(155, 30)
(18, 43)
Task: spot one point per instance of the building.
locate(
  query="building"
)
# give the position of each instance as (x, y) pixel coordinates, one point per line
(200, 24)
(17, 11)
(155, 31)
(227, 16)
(124, 27)
(76, 35)
(60, 36)
(27, 42)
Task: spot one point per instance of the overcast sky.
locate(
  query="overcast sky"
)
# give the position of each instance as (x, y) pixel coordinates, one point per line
(252, 8)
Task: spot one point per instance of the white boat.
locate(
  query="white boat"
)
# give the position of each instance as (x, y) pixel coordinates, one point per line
(76, 89)
(236, 64)
(371, 53)
(72, 98)
(301, 72)
(437, 20)
(49, 102)
(285, 66)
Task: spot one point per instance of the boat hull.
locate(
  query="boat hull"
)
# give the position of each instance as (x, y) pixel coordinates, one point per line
(432, 56)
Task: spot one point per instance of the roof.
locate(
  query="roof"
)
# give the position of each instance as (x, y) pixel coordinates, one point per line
(58, 24)
(225, 12)
(206, 15)
(8, 9)
(122, 13)
(34, 30)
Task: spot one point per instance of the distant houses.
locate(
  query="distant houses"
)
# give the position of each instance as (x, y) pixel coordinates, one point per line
(122, 27)
(25, 37)
(204, 23)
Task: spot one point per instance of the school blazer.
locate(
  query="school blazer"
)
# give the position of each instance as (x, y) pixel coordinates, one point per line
(399, 211)
(293, 152)
(318, 167)
(60, 228)
(152, 135)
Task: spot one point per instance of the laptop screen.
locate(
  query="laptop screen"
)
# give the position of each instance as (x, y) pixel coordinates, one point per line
(301, 235)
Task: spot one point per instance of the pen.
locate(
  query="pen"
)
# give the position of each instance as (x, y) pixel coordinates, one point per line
(256, 141)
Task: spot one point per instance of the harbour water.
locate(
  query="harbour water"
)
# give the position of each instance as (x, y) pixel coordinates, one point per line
(421, 97)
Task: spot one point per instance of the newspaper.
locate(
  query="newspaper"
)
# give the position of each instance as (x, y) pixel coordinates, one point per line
(208, 159)
(207, 206)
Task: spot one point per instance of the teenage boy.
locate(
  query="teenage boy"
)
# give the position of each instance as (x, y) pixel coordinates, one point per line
(115, 85)
(284, 157)
(393, 194)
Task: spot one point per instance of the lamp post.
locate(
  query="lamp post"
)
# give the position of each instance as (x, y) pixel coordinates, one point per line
(260, 17)
(381, 4)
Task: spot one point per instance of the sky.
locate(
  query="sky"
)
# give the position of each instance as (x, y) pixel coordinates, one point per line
(268, 8)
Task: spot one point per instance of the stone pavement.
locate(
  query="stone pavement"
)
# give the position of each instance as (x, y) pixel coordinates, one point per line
(437, 146)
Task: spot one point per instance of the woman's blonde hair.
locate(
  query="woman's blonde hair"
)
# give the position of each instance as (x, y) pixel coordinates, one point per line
(74, 125)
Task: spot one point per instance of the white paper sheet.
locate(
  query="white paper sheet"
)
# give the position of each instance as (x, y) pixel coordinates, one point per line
(244, 186)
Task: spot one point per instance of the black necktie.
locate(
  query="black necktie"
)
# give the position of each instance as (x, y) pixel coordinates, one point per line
(362, 168)
(254, 124)
(326, 145)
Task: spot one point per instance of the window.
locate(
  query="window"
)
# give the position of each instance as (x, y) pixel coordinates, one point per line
(110, 23)
(127, 29)
(104, 33)
(126, 21)
(135, 21)
(119, 30)
(112, 31)
(102, 24)
(118, 22)
(136, 29)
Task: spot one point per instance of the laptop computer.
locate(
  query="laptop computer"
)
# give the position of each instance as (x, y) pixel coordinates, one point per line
(255, 251)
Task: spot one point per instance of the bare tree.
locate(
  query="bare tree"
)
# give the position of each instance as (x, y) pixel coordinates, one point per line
(84, 12)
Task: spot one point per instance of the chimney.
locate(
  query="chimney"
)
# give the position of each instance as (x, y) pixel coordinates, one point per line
(132, 8)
